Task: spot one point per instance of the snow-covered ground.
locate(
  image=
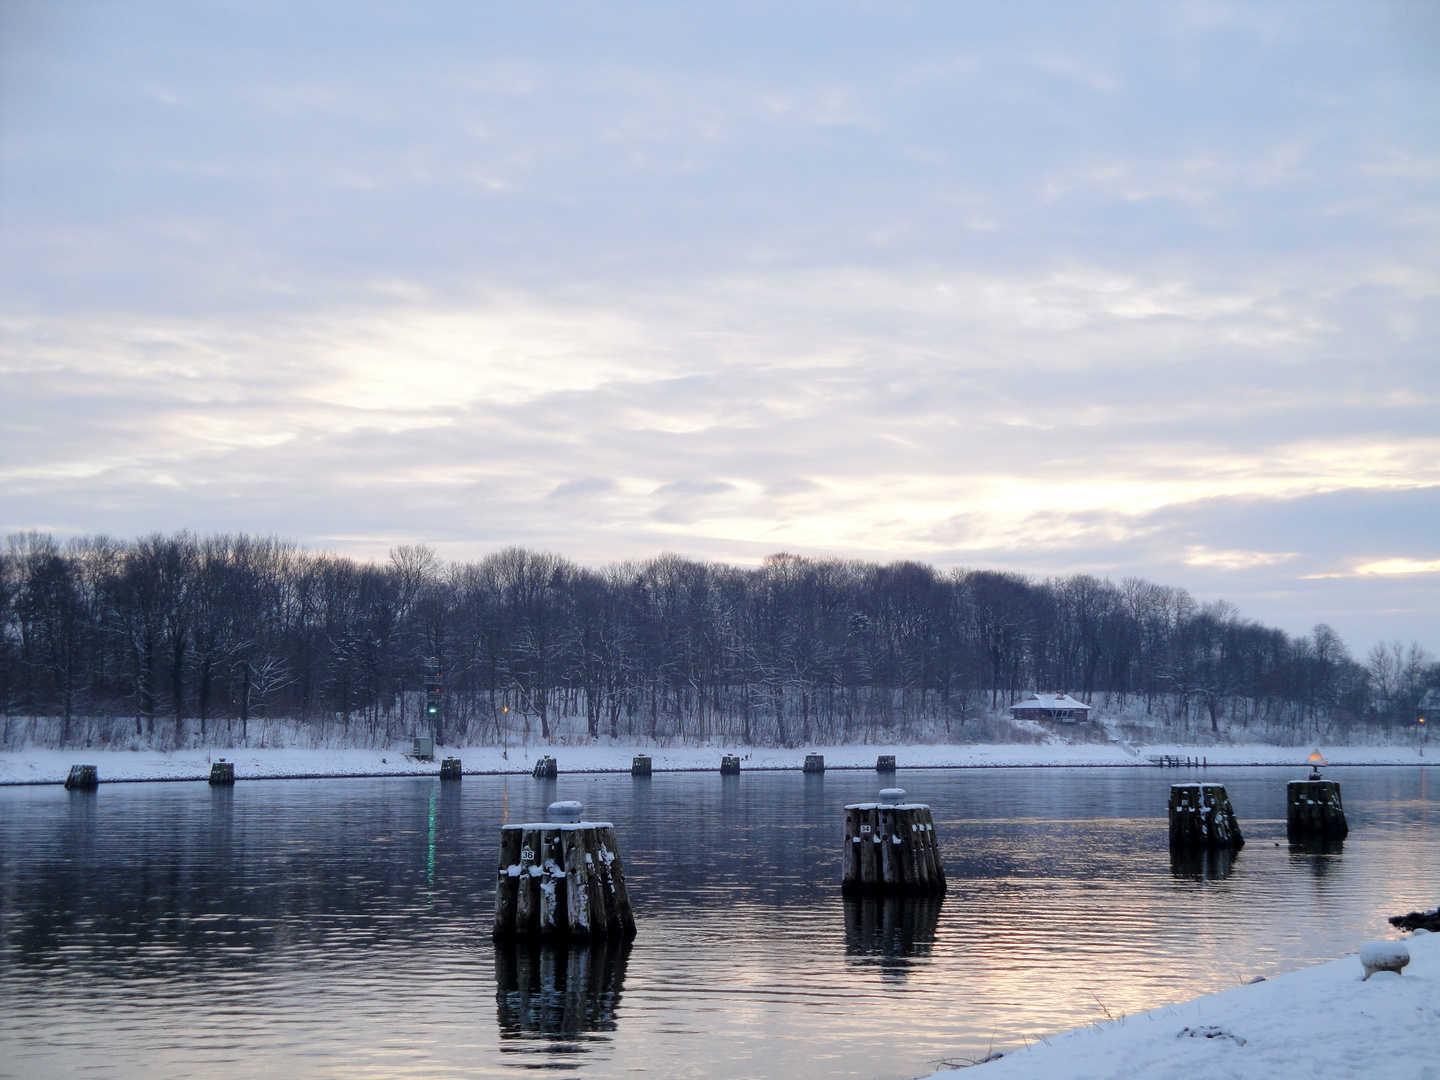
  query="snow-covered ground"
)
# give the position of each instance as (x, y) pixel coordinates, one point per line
(1319, 1022)
(37, 765)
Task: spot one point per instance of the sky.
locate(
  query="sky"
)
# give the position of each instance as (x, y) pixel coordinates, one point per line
(1132, 289)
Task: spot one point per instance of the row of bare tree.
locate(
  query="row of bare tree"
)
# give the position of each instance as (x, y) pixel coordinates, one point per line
(200, 630)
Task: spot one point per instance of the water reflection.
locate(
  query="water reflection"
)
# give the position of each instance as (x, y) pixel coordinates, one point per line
(1318, 856)
(888, 931)
(1202, 864)
(557, 991)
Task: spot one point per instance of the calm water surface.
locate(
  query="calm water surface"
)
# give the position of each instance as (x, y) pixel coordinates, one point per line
(341, 928)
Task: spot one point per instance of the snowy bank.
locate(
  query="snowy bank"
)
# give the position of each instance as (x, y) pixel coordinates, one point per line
(44, 766)
(1319, 1022)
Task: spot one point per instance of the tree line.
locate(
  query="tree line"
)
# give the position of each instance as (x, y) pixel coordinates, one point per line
(204, 634)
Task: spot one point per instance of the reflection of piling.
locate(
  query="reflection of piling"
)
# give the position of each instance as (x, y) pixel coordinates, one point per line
(640, 766)
(562, 878)
(1201, 816)
(885, 763)
(1202, 864)
(558, 989)
(891, 925)
(450, 769)
(890, 846)
(82, 778)
(1313, 811)
(729, 765)
(222, 773)
(546, 768)
(814, 763)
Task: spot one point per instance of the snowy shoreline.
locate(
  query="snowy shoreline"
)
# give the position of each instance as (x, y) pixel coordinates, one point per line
(1318, 1021)
(46, 766)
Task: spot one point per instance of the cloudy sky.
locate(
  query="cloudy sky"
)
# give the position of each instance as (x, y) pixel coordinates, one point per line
(1135, 289)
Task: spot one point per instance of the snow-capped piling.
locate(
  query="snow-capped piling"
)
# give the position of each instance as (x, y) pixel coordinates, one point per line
(450, 769)
(222, 773)
(729, 765)
(640, 765)
(885, 763)
(562, 878)
(890, 846)
(546, 768)
(814, 763)
(1313, 811)
(1201, 816)
(82, 778)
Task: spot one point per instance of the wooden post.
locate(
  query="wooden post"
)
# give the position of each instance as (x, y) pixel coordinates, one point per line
(885, 763)
(640, 766)
(814, 763)
(1201, 816)
(450, 769)
(1313, 811)
(222, 773)
(82, 778)
(729, 765)
(890, 847)
(546, 768)
(562, 879)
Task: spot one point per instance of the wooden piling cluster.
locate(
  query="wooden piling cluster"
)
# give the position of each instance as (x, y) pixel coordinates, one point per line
(222, 773)
(1313, 811)
(885, 763)
(1169, 761)
(814, 763)
(891, 847)
(1201, 816)
(729, 765)
(450, 769)
(640, 766)
(82, 778)
(546, 768)
(562, 880)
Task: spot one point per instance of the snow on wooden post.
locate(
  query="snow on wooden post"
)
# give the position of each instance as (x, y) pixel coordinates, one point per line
(546, 768)
(729, 765)
(562, 878)
(82, 778)
(450, 769)
(640, 766)
(814, 763)
(1313, 811)
(885, 763)
(222, 773)
(890, 846)
(1201, 816)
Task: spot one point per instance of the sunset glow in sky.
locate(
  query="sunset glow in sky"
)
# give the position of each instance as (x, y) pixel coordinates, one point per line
(1135, 289)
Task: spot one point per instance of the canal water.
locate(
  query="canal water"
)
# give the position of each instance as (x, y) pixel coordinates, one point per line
(340, 928)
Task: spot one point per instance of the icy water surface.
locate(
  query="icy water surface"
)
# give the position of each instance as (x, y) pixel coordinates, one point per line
(340, 928)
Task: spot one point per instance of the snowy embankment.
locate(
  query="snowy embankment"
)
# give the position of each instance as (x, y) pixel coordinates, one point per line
(1319, 1022)
(41, 766)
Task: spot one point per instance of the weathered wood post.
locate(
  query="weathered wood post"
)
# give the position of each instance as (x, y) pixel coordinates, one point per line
(562, 879)
(1201, 816)
(885, 763)
(890, 846)
(546, 768)
(450, 769)
(1313, 810)
(222, 773)
(730, 765)
(82, 778)
(814, 763)
(640, 766)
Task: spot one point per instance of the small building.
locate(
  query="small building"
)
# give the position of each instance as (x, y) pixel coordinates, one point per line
(1057, 708)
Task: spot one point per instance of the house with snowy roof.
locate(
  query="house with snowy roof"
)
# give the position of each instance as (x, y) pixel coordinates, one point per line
(1057, 708)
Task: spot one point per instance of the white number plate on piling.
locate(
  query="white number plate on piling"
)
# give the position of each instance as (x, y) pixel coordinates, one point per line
(864, 828)
(527, 855)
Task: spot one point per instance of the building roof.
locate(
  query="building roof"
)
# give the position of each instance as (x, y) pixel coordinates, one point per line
(1051, 701)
